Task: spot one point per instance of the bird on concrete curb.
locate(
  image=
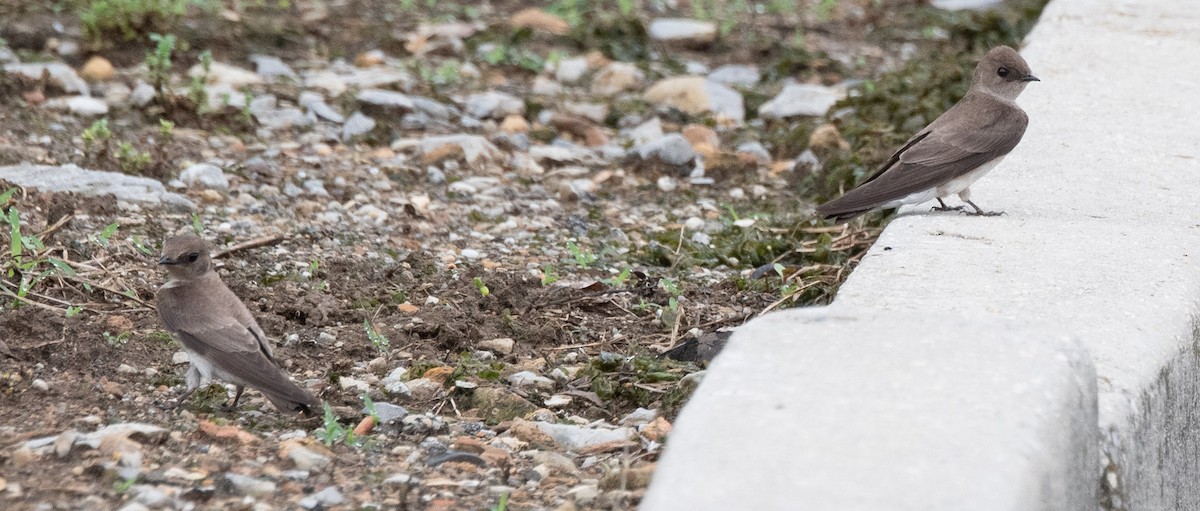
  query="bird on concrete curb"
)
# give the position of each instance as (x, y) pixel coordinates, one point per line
(217, 331)
(957, 148)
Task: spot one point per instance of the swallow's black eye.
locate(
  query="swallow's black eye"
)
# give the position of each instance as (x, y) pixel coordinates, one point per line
(1003, 72)
(192, 257)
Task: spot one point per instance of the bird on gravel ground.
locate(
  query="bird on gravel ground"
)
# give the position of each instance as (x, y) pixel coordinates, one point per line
(217, 331)
(957, 148)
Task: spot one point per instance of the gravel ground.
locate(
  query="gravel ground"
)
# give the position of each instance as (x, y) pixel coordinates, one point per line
(500, 244)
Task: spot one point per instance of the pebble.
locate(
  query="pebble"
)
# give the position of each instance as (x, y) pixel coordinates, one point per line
(302, 457)
(683, 30)
(389, 413)
(330, 496)
(386, 99)
(79, 105)
(571, 70)
(502, 345)
(801, 100)
(672, 149)
(698, 95)
(272, 68)
(205, 175)
(253, 487)
(41, 385)
(574, 438)
(735, 75)
(61, 75)
(493, 105)
(584, 494)
(617, 77)
(529, 379)
(97, 69)
(356, 125)
(71, 178)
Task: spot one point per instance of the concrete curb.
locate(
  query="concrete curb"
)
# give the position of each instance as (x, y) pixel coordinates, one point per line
(973, 318)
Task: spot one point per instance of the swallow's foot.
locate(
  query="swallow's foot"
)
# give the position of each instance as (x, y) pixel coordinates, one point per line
(984, 213)
(947, 208)
(980, 212)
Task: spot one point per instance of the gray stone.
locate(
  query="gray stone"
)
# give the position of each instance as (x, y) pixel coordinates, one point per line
(958, 5)
(755, 149)
(725, 101)
(307, 459)
(272, 68)
(432, 108)
(253, 487)
(357, 124)
(584, 494)
(801, 100)
(330, 496)
(389, 413)
(502, 345)
(61, 75)
(672, 149)
(386, 99)
(683, 30)
(143, 93)
(574, 438)
(205, 175)
(571, 70)
(150, 496)
(70, 178)
(735, 75)
(639, 417)
(474, 147)
(316, 104)
(79, 105)
(225, 74)
(493, 105)
(528, 379)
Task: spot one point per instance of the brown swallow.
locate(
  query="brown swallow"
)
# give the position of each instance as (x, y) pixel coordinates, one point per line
(957, 148)
(217, 330)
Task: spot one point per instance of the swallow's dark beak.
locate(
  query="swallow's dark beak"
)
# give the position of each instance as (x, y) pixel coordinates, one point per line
(165, 261)
(1030, 78)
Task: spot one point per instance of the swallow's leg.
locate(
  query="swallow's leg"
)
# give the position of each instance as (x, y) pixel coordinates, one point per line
(236, 396)
(943, 207)
(178, 402)
(980, 212)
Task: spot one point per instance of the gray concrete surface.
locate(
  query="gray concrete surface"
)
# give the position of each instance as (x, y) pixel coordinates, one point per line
(1100, 243)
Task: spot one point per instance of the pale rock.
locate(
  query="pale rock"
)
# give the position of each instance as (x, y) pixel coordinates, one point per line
(474, 147)
(79, 105)
(617, 77)
(61, 75)
(272, 68)
(683, 30)
(502, 345)
(71, 178)
(571, 70)
(524, 379)
(205, 176)
(253, 487)
(221, 73)
(386, 99)
(697, 95)
(735, 75)
(801, 100)
(493, 105)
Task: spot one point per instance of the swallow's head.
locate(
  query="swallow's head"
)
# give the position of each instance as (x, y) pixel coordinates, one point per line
(185, 256)
(1003, 72)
